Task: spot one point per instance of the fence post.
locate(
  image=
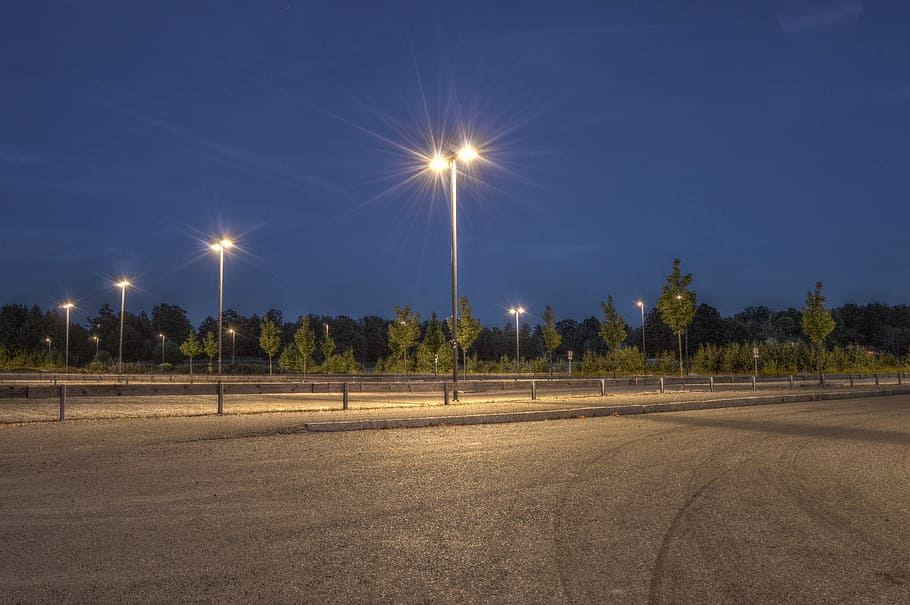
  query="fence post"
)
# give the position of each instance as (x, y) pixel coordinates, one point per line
(445, 393)
(899, 377)
(344, 396)
(791, 382)
(876, 380)
(533, 390)
(603, 387)
(220, 391)
(661, 385)
(851, 381)
(62, 402)
(711, 383)
(753, 383)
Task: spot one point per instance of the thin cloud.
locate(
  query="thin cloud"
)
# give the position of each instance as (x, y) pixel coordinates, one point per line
(14, 157)
(222, 151)
(545, 250)
(809, 16)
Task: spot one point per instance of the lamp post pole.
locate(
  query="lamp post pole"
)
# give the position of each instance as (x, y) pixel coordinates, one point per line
(233, 348)
(641, 304)
(454, 169)
(162, 348)
(517, 311)
(66, 350)
(123, 285)
(95, 338)
(48, 340)
(440, 163)
(219, 248)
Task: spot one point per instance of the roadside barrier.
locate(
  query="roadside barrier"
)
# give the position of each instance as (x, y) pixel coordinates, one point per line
(518, 387)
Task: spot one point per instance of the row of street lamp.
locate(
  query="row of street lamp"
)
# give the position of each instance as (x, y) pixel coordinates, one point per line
(438, 163)
(123, 284)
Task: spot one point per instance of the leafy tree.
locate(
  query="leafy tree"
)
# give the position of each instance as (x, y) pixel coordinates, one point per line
(677, 305)
(289, 358)
(817, 323)
(707, 327)
(269, 340)
(210, 345)
(551, 337)
(328, 347)
(342, 364)
(305, 341)
(612, 329)
(434, 347)
(469, 328)
(191, 348)
(169, 320)
(403, 333)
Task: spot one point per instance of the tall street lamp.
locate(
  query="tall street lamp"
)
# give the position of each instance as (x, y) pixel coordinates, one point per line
(66, 350)
(48, 341)
(439, 163)
(641, 304)
(233, 349)
(95, 338)
(123, 285)
(220, 247)
(162, 348)
(516, 311)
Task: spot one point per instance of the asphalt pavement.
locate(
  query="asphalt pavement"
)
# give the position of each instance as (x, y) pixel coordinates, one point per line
(799, 503)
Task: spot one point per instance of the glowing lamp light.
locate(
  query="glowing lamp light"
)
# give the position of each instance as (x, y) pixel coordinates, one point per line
(438, 163)
(467, 153)
(222, 245)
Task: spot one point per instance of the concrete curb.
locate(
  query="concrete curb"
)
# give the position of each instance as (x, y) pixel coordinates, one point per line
(592, 412)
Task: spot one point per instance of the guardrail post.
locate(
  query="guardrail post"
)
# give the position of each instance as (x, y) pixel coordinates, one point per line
(899, 377)
(876, 380)
(851, 380)
(791, 382)
(344, 396)
(533, 390)
(753, 383)
(661, 385)
(220, 391)
(711, 383)
(445, 393)
(603, 387)
(62, 402)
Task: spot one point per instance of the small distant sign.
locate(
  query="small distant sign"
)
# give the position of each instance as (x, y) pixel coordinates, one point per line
(570, 355)
(755, 352)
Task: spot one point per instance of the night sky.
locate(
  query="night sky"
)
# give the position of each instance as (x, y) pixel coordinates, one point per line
(763, 143)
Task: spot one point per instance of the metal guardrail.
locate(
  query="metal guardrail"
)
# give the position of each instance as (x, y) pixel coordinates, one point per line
(65, 390)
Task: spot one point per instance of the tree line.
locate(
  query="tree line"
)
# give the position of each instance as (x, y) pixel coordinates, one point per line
(677, 332)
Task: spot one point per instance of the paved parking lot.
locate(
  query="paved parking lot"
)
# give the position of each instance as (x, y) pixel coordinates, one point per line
(800, 503)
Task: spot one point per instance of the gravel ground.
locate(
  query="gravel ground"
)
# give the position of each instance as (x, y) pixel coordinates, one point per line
(796, 503)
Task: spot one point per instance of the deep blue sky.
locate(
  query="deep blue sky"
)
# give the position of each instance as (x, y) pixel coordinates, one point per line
(764, 143)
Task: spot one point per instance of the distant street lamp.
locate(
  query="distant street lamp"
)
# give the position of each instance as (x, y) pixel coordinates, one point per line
(123, 285)
(95, 338)
(233, 349)
(516, 311)
(48, 340)
(66, 350)
(641, 304)
(220, 247)
(680, 297)
(439, 163)
(162, 348)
